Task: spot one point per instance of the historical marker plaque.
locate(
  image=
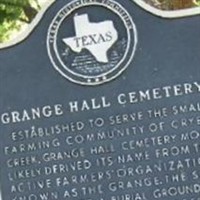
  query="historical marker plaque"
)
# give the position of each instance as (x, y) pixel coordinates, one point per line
(101, 102)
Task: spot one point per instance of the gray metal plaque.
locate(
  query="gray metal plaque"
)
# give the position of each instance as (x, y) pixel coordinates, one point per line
(101, 102)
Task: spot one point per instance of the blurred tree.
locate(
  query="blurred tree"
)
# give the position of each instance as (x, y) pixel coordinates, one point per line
(173, 4)
(176, 4)
(15, 12)
(197, 2)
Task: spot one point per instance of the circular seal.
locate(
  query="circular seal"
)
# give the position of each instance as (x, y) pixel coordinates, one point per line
(91, 42)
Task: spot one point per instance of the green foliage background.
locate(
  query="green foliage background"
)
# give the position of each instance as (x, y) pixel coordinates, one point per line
(15, 13)
(198, 2)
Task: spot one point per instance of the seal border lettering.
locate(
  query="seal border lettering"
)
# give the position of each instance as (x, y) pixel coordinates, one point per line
(106, 76)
